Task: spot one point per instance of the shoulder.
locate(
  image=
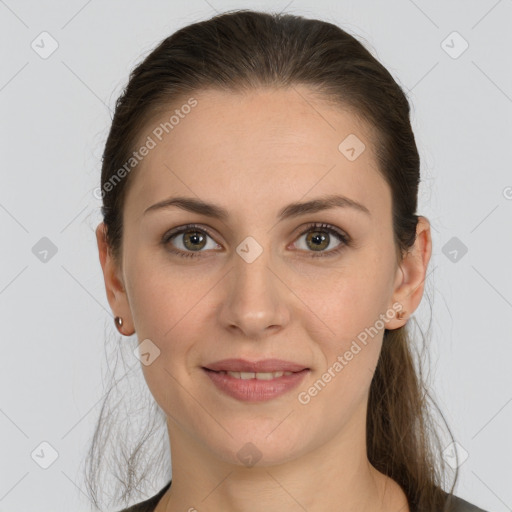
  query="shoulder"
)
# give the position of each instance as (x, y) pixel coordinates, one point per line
(456, 504)
(148, 505)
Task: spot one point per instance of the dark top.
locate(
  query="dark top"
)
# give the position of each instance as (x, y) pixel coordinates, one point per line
(459, 505)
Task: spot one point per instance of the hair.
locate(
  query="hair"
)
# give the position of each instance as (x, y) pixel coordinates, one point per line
(240, 51)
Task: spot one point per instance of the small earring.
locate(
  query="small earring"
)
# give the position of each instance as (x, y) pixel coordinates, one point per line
(400, 315)
(119, 323)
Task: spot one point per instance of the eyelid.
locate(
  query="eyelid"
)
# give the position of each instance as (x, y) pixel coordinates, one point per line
(327, 227)
(179, 230)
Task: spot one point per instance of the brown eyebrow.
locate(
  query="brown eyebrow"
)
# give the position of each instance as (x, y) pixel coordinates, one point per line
(292, 210)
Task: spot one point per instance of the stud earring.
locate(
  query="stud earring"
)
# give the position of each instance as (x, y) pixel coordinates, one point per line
(401, 315)
(119, 323)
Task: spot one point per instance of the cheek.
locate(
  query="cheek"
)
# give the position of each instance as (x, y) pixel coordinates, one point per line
(173, 309)
(344, 319)
(350, 301)
(161, 294)
(166, 309)
(349, 348)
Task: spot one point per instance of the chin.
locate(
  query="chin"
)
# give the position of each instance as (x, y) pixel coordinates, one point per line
(259, 449)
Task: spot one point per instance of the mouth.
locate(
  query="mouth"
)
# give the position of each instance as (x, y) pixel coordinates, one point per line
(255, 386)
(264, 369)
(255, 375)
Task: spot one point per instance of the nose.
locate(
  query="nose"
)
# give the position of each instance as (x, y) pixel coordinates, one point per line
(255, 304)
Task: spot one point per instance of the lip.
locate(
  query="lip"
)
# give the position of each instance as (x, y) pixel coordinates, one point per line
(266, 365)
(254, 390)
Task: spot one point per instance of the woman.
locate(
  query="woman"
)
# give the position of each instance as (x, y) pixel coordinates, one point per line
(260, 237)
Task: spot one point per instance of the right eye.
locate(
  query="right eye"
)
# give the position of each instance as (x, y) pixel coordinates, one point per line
(191, 238)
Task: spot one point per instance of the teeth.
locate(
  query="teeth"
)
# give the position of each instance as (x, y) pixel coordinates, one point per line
(258, 376)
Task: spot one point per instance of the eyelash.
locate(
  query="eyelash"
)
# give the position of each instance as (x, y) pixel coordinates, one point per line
(342, 237)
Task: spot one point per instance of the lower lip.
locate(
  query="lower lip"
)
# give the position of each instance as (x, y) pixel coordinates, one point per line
(254, 390)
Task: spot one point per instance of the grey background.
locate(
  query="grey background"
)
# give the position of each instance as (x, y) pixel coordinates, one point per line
(55, 113)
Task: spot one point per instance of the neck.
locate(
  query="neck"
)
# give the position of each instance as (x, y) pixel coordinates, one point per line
(334, 476)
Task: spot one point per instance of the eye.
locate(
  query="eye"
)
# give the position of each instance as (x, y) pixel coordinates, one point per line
(193, 239)
(319, 237)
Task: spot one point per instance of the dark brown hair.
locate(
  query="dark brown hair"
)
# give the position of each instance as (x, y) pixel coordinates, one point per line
(242, 50)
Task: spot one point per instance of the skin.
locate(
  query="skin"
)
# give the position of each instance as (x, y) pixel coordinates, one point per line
(253, 154)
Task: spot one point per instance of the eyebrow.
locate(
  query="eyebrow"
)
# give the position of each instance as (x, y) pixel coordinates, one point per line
(292, 210)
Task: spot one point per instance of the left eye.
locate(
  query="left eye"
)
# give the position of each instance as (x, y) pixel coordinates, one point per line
(194, 239)
(320, 237)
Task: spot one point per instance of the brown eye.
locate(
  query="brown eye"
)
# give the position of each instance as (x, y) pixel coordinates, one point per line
(194, 240)
(187, 240)
(317, 240)
(319, 237)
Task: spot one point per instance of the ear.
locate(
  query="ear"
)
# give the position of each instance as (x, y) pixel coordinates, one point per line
(116, 293)
(411, 273)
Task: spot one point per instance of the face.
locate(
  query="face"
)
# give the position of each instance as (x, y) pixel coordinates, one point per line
(304, 286)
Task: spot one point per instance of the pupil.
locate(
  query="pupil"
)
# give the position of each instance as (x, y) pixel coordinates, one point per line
(193, 238)
(319, 239)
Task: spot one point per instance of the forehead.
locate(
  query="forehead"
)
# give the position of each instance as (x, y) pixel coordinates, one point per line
(265, 147)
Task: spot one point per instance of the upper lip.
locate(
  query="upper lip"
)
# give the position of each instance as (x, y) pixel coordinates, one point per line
(265, 365)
